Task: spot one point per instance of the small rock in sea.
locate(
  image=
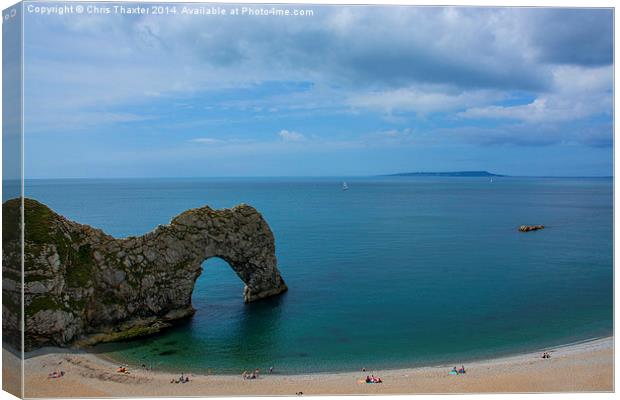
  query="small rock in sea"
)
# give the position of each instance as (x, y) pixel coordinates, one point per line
(527, 228)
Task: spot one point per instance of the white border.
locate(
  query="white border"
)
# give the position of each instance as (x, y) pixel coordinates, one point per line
(484, 3)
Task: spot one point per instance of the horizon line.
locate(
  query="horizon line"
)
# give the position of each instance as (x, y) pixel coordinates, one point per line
(309, 176)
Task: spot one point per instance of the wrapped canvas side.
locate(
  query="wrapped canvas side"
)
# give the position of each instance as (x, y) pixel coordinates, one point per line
(12, 200)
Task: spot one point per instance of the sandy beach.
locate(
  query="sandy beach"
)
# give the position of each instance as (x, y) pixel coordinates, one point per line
(579, 367)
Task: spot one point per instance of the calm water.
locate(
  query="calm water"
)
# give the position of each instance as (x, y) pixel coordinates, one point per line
(393, 272)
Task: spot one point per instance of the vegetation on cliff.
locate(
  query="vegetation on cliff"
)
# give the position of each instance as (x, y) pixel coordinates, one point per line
(83, 285)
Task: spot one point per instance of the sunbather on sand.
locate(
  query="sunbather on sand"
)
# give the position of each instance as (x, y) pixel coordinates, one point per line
(56, 374)
(373, 379)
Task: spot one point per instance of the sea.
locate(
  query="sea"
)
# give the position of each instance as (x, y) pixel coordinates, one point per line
(393, 272)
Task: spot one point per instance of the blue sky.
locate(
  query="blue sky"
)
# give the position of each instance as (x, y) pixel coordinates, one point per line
(348, 91)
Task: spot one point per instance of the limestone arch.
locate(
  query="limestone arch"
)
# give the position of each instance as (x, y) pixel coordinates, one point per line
(83, 284)
(239, 236)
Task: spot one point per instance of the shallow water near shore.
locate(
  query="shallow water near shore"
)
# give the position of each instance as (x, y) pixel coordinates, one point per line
(393, 272)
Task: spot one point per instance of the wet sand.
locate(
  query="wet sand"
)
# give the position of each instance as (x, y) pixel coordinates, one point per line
(574, 368)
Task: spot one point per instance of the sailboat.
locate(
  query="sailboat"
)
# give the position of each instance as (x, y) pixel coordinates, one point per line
(344, 186)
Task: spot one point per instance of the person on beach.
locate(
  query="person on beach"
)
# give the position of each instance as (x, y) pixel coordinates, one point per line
(373, 379)
(256, 373)
(182, 379)
(270, 370)
(462, 370)
(56, 374)
(245, 375)
(122, 370)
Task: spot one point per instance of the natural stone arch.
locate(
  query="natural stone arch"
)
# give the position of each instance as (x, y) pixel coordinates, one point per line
(82, 284)
(240, 236)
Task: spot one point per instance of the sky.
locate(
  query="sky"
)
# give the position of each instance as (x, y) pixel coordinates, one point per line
(349, 90)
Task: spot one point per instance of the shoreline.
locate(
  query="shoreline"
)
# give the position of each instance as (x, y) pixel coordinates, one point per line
(583, 366)
(577, 345)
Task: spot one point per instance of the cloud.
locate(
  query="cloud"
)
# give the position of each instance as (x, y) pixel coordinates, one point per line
(525, 134)
(421, 99)
(570, 36)
(577, 93)
(393, 137)
(83, 120)
(207, 140)
(291, 136)
(393, 133)
(575, 80)
(370, 48)
(403, 63)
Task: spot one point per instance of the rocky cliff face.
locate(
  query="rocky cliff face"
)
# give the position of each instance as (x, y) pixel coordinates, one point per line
(82, 285)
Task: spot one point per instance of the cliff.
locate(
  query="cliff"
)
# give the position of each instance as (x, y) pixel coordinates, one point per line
(84, 286)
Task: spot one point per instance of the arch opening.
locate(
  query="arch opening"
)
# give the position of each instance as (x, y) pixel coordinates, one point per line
(217, 286)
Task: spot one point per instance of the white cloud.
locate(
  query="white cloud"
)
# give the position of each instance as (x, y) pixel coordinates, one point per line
(579, 80)
(291, 136)
(423, 99)
(394, 133)
(207, 140)
(391, 60)
(83, 120)
(577, 93)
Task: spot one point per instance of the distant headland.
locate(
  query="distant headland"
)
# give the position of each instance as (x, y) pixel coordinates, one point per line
(453, 173)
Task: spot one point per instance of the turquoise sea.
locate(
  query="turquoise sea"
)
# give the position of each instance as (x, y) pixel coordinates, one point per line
(394, 272)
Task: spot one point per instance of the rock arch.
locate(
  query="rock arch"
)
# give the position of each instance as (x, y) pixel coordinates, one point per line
(84, 286)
